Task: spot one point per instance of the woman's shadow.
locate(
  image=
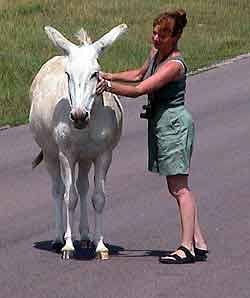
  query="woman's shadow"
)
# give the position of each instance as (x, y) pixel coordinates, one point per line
(86, 254)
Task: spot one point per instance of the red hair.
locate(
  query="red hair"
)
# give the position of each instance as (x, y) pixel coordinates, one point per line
(178, 16)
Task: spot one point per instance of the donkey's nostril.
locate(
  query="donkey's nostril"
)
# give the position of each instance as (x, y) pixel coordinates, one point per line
(84, 116)
(78, 115)
(72, 117)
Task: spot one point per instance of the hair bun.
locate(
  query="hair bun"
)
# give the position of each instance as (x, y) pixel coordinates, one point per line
(180, 12)
(182, 17)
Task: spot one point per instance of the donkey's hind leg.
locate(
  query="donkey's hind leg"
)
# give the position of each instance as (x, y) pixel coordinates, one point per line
(83, 187)
(53, 168)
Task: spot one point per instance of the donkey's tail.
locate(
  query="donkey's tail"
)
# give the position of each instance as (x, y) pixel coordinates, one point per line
(37, 160)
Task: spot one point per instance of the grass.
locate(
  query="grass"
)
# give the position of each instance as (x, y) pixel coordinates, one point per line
(217, 29)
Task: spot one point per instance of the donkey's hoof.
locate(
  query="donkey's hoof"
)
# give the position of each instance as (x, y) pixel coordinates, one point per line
(67, 254)
(86, 244)
(57, 246)
(102, 255)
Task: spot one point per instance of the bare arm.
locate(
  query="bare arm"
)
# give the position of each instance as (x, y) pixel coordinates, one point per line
(166, 73)
(134, 75)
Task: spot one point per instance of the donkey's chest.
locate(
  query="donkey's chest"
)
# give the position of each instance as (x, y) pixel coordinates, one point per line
(90, 140)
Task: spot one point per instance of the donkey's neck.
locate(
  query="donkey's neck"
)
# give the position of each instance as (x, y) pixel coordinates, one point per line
(98, 105)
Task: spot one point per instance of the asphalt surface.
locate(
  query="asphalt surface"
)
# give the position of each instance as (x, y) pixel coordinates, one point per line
(140, 218)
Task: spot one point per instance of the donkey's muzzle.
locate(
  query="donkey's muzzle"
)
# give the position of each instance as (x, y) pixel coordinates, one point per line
(79, 118)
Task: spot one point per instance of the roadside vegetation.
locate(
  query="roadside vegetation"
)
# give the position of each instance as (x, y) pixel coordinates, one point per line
(216, 30)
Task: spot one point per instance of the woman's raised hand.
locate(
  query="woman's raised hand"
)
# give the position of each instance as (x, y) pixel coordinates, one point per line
(101, 86)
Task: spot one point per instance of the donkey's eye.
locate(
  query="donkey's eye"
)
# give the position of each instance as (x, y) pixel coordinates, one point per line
(94, 75)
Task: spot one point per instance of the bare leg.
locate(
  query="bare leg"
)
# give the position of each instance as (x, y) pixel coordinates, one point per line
(190, 229)
(199, 240)
(178, 188)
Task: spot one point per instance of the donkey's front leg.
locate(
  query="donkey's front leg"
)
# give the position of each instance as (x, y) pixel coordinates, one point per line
(70, 200)
(83, 187)
(102, 164)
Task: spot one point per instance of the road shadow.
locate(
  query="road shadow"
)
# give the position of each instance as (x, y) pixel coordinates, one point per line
(79, 253)
(141, 253)
(85, 254)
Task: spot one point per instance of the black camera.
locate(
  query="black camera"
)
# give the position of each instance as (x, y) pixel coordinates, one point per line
(148, 114)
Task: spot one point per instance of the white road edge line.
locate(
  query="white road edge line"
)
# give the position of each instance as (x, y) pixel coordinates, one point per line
(5, 127)
(219, 64)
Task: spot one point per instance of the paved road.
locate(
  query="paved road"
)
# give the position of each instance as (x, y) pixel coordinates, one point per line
(140, 218)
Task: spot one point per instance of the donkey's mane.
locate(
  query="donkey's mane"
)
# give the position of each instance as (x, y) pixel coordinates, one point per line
(83, 37)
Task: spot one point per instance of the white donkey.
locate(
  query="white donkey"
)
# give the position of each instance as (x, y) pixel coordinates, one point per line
(73, 126)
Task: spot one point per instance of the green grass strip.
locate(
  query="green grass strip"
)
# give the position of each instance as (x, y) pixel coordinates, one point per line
(216, 30)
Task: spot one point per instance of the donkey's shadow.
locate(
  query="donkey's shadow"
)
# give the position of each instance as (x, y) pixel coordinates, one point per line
(86, 254)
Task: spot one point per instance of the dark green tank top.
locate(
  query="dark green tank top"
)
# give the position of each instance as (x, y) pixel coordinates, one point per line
(171, 94)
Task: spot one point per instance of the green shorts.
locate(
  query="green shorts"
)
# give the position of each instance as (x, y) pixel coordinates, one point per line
(170, 141)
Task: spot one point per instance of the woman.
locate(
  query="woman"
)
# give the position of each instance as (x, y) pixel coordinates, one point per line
(170, 126)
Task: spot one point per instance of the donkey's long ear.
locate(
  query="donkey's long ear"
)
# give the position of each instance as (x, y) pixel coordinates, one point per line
(59, 40)
(107, 39)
